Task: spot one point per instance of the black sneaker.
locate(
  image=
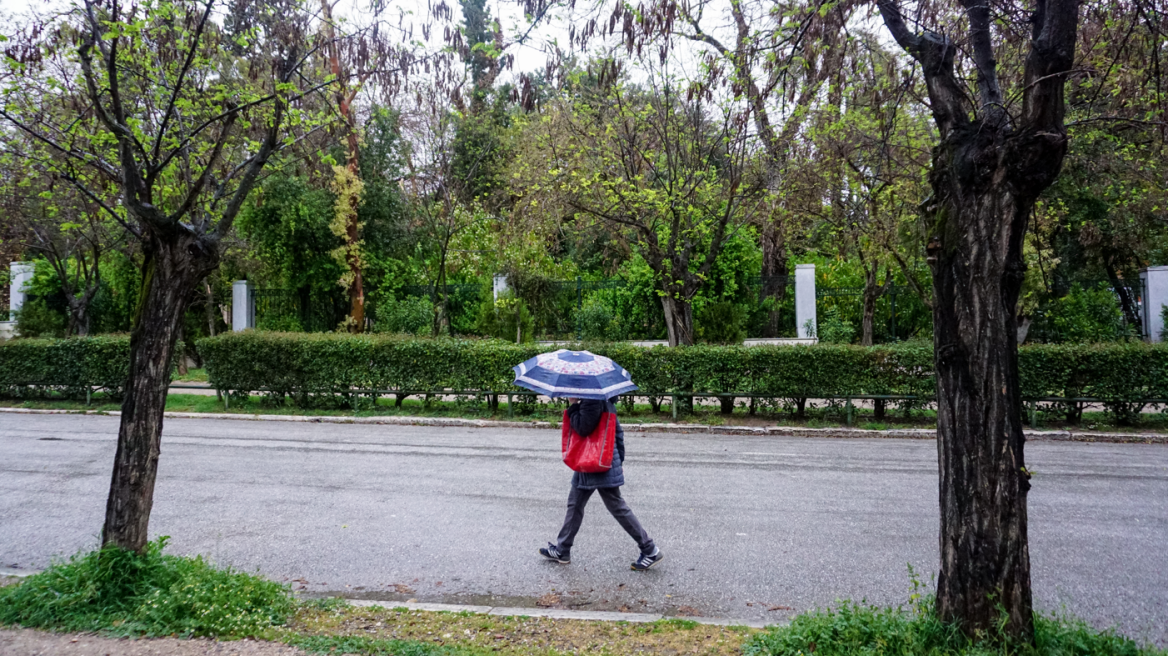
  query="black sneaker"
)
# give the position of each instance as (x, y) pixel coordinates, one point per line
(648, 560)
(552, 552)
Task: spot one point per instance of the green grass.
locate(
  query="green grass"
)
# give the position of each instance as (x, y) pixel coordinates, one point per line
(192, 376)
(854, 629)
(124, 593)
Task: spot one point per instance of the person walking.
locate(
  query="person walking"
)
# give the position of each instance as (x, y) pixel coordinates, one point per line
(584, 416)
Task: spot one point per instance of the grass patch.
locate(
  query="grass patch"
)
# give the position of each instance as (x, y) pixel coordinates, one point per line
(191, 376)
(871, 631)
(318, 644)
(151, 594)
(372, 630)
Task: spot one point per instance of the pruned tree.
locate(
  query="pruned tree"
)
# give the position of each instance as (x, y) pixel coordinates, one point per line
(1000, 146)
(181, 131)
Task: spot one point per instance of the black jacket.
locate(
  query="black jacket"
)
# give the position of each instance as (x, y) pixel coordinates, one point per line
(584, 417)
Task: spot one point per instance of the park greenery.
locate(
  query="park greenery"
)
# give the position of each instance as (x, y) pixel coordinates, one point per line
(993, 172)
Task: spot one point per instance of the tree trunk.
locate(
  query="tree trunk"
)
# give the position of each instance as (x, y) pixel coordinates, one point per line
(210, 309)
(872, 292)
(976, 259)
(678, 321)
(170, 274)
(774, 266)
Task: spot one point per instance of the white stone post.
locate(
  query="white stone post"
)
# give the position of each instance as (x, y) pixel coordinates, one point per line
(501, 286)
(242, 306)
(806, 323)
(1155, 281)
(21, 276)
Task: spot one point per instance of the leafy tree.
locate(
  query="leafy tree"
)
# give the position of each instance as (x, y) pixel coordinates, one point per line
(671, 179)
(286, 225)
(177, 133)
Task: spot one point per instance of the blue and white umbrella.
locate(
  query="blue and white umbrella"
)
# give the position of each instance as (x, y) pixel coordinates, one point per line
(580, 374)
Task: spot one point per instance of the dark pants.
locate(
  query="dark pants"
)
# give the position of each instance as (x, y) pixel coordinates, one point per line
(616, 505)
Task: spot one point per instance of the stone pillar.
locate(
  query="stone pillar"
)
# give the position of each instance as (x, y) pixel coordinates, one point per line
(500, 286)
(21, 276)
(806, 324)
(1155, 281)
(242, 306)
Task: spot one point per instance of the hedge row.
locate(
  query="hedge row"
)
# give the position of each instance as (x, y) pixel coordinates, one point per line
(28, 367)
(330, 363)
(298, 364)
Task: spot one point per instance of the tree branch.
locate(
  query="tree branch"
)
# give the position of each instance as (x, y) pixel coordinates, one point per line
(178, 83)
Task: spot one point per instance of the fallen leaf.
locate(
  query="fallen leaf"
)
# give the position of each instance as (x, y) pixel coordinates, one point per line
(402, 588)
(549, 599)
(780, 608)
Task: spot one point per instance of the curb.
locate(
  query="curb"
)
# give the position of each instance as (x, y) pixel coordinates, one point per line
(783, 431)
(552, 613)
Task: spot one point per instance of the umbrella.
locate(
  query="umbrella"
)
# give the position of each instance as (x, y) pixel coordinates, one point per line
(580, 374)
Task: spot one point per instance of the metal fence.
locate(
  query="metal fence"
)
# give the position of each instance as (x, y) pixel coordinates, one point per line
(575, 309)
(301, 310)
(899, 313)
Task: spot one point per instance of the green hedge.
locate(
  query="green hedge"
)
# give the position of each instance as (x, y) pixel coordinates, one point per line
(301, 364)
(30, 367)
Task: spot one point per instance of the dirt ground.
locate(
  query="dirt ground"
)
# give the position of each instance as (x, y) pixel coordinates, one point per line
(27, 642)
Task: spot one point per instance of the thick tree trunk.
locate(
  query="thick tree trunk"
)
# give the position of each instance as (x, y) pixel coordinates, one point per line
(678, 321)
(172, 272)
(985, 181)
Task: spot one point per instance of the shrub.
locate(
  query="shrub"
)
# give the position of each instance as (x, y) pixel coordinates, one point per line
(721, 323)
(151, 593)
(1082, 316)
(833, 329)
(36, 319)
(506, 318)
(597, 322)
(33, 366)
(1164, 323)
(413, 315)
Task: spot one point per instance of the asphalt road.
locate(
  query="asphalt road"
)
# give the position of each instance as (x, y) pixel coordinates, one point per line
(747, 523)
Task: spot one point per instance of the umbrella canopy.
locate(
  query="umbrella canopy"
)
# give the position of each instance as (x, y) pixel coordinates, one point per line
(580, 374)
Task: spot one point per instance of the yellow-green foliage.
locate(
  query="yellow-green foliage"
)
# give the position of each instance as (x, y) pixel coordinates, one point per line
(348, 188)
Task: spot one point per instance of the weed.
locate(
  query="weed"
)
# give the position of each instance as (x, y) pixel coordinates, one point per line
(676, 623)
(126, 593)
(326, 604)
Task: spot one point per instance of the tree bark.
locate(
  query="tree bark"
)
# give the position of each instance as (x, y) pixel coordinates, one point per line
(678, 320)
(174, 266)
(976, 259)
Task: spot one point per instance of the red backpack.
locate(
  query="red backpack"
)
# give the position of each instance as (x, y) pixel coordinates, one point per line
(590, 454)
